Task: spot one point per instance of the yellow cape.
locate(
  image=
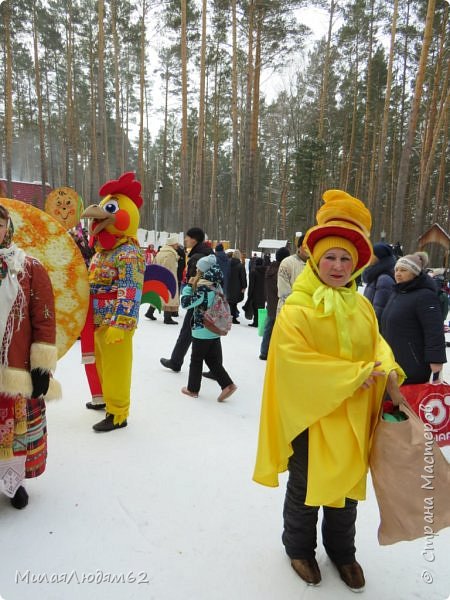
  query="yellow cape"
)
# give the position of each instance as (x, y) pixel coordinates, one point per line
(323, 347)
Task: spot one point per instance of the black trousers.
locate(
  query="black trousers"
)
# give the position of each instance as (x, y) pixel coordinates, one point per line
(209, 351)
(300, 521)
(234, 309)
(183, 342)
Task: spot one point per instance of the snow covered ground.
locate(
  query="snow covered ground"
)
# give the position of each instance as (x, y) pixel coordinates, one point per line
(167, 506)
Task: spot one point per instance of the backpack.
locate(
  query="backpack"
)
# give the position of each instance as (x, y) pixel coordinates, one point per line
(217, 318)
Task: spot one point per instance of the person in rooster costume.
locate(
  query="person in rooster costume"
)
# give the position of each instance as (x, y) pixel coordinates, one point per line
(116, 276)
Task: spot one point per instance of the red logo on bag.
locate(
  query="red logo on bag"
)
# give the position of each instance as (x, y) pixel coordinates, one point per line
(435, 410)
(431, 402)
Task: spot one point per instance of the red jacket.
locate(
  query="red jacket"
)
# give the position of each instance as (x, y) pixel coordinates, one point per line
(33, 344)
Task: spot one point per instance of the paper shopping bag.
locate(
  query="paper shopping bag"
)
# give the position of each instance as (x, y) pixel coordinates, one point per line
(411, 478)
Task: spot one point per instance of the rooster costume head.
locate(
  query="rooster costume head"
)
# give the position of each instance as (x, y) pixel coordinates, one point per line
(116, 217)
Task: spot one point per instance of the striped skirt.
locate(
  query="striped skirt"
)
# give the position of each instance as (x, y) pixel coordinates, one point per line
(36, 438)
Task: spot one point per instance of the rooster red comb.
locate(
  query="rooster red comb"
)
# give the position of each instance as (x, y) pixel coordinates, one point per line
(126, 185)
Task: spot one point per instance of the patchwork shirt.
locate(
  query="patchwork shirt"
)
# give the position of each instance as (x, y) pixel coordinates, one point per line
(119, 274)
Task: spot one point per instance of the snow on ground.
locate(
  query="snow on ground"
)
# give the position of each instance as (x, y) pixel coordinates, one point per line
(168, 504)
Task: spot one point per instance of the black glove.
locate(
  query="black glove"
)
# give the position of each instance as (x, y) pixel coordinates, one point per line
(41, 381)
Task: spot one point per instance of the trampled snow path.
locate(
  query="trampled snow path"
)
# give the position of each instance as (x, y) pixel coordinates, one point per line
(169, 500)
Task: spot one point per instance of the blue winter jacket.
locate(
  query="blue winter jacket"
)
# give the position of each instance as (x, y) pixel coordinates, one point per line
(380, 283)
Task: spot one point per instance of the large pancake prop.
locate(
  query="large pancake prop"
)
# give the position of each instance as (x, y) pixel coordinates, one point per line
(65, 205)
(42, 237)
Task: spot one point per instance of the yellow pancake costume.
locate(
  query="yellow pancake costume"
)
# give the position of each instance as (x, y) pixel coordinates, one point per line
(116, 275)
(324, 346)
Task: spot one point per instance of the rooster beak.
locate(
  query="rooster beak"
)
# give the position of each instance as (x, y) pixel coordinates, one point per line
(100, 218)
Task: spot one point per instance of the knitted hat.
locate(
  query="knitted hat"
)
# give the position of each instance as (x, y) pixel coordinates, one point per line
(381, 250)
(282, 253)
(206, 262)
(173, 239)
(334, 241)
(342, 216)
(415, 263)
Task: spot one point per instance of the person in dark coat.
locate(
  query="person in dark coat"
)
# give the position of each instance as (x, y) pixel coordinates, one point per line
(411, 322)
(379, 277)
(181, 264)
(252, 262)
(237, 284)
(195, 240)
(272, 299)
(442, 292)
(256, 292)
(224, 263)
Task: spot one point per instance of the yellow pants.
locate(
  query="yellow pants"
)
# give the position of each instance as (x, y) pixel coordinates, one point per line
(114, 362)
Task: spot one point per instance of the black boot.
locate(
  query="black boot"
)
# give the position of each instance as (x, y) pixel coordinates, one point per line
(95, 405)
(150, 313)
(235, 321)
(108, 424)
(20, 498)
(168, 319)
(166, 362)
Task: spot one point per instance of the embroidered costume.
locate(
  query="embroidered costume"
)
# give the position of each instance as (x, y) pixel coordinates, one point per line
(27, 359)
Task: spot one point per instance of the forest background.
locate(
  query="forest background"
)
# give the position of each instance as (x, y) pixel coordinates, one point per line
(364, 108)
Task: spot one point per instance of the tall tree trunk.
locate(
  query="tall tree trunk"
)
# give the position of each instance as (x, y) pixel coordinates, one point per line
(351, 149)
(429, 165)
(435, 119)
(361, 178)
(101, 94)
(246, 145)
(69, 97)
(184, 175)
(49, 119)
(94, 163)
(164, 195)
(199, 158)
(323, 104)
(213, 225)
(254, 129)
(440, 186)
(380, 193)
(119, 163)
(37, 76)
(140, 163)
(235, 204)
(404, 78)
(403, 172)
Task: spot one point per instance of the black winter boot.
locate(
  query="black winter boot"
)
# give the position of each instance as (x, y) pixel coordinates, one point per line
(166, 362)
(20, 498)
(108, 424)
(150, 313)
(168, 319)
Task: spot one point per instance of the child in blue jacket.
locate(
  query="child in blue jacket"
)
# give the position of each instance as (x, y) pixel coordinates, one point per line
(199, 294)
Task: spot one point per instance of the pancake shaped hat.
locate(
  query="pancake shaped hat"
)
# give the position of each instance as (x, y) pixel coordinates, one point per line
(342, 216)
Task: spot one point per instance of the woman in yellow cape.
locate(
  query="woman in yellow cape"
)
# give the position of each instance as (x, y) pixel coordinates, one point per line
(327, 371)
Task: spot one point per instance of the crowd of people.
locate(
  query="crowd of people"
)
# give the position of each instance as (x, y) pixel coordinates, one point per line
(333, 355)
